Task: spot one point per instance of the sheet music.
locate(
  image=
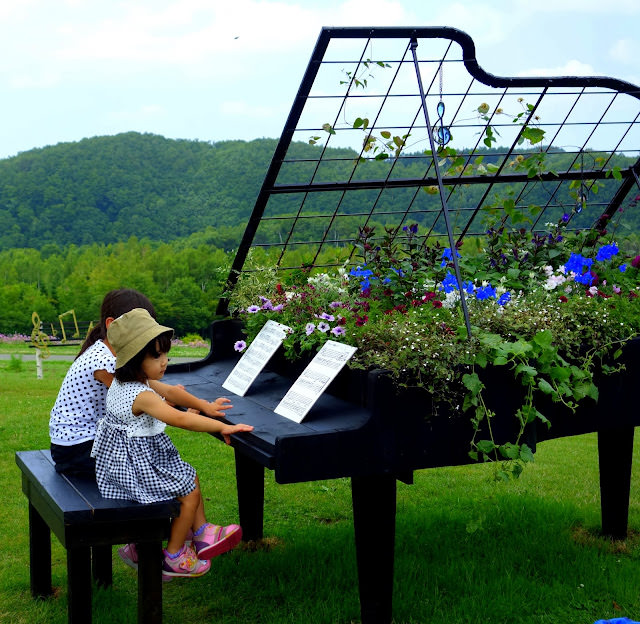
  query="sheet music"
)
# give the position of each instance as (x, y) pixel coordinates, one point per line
(314, 380)
(254, 359)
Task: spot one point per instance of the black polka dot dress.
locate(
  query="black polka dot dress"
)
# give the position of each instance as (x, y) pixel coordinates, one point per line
(135, 459)
(81, 399)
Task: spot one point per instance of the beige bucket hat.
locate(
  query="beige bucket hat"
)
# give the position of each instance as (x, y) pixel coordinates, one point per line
(130, 333)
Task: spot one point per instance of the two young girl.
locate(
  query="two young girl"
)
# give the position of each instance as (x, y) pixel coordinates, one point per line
(136, 460)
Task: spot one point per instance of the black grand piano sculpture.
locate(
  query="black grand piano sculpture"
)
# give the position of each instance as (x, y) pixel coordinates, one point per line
(351, 430)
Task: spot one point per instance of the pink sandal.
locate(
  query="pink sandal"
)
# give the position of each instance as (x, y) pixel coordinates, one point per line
(216, 540)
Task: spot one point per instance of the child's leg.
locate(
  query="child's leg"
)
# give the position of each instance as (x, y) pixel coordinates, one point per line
(182, 524)
(199, 518)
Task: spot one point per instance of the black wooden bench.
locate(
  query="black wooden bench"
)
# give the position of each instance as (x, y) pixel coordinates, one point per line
(87, 525)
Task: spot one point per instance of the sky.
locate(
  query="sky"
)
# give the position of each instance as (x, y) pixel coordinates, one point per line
(216, 70)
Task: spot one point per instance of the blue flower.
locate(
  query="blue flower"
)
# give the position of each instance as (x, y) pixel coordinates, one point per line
(361, 272)
(447, 255)
(586, 278)
(578, 264)
(449, 283)
(486, 292)
(606, 252)
(504, 299)
(623, 268)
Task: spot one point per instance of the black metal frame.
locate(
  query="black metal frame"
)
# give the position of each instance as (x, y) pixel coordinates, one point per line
(560, 97)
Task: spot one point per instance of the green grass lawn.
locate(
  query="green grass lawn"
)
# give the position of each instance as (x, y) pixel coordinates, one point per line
(468, 549)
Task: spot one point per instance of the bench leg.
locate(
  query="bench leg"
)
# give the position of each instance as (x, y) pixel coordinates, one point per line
(79, 584)
(39, 555)
(615, 454)
(101, 565)
(149, 582)
(374, 523)
(250, 484)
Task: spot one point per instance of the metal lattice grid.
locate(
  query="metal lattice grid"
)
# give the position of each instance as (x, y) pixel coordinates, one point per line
(375, 104)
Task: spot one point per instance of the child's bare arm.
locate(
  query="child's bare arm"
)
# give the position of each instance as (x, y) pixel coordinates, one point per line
(103, 376)
(152, 404)
(177, 395)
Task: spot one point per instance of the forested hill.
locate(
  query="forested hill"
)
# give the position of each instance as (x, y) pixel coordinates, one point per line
(106, 189)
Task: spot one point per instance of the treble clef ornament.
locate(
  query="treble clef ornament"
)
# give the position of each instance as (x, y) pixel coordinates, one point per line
(39, 339)
(441, 133)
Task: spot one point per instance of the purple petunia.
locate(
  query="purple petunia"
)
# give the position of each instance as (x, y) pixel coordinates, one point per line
(338, 331)
(240, 346)
(309, 328)
(252, 309)
(323, 327)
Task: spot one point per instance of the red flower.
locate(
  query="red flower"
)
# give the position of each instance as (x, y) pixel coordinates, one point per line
(361, 320)
(635, 262)
(563, 298)
(437, 304)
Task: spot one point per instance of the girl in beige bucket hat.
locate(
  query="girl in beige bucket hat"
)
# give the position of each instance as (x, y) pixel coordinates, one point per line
(136, 459)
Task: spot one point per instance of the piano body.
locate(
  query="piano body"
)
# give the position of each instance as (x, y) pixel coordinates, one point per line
(363, 427)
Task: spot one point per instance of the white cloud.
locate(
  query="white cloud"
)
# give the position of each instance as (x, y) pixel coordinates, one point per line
(570, 68)
(241, 108)
(625, 51)
(577, 7)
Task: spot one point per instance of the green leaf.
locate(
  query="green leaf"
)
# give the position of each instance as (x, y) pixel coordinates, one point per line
(510, 450)
(526, 369)
(543, 338)
(472, 382)
(559, 373)
(328, 128)
(545, 386)
(533, 135)
(486, 446)
(385, 134)
(526, 454)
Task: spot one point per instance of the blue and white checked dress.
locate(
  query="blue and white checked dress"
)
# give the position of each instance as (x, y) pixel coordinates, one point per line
(135, 458)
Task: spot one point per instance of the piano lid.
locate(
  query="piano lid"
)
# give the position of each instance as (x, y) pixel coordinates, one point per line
(375, 104)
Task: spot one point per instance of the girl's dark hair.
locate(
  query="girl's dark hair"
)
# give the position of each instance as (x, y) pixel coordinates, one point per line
(132, 370)
(115, 304)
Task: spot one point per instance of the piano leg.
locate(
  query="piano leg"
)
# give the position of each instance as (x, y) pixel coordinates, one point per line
(615, 454)
(374, 522)
(250, 484)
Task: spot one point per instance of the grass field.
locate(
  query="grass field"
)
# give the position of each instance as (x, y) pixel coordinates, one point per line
(468, 550)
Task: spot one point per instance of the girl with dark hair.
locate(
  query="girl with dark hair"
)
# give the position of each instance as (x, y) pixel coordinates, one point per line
(136, 459)
(81, 399)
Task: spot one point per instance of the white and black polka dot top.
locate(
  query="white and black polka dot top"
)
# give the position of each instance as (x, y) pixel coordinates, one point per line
(81, 400)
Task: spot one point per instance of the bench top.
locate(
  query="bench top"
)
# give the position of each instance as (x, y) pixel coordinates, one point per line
(77, 499)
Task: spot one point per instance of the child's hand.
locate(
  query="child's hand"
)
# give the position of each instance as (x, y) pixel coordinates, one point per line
(227, 430)
(216, 408)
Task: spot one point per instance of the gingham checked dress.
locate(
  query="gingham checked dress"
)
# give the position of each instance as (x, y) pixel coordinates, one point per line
(135, 458)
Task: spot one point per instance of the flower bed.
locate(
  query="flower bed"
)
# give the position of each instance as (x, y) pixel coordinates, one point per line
(551, 309)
